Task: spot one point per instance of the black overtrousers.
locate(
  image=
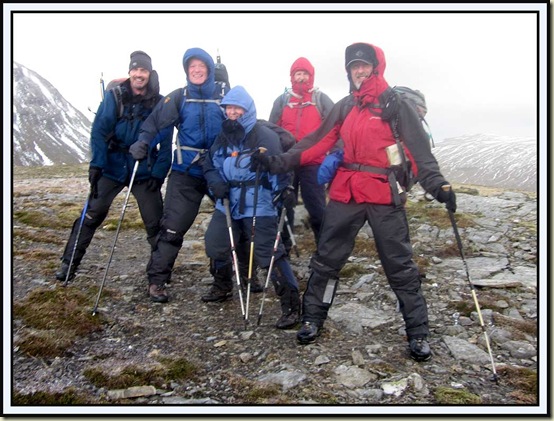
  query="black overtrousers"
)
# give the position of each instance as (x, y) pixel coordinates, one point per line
(183, 197)
(149, 203)
(218, 243)
(341, 224)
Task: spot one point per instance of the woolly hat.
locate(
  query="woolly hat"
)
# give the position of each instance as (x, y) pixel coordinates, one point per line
(140, 59)
(360, 52)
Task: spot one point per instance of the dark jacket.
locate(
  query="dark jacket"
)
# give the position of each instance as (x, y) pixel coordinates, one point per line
(111, 136)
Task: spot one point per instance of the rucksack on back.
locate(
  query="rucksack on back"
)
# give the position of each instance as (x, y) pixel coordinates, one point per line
(286, 138)
(285, 97)
(417, 100)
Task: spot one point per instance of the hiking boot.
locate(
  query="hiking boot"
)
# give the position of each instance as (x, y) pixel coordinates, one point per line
(307, 333)
(158, 293)
(61, 274)
(419, 349)
(216, 295)
(287, 321)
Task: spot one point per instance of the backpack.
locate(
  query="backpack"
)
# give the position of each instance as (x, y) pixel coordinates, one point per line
(120, 92)
(284, 102)
(417, 100)
(286, 138)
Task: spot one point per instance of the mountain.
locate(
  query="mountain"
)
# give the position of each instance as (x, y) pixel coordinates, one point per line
(488, 160)
(47, 130)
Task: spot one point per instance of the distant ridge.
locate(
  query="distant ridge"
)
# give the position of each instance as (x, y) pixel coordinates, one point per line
(46, 129)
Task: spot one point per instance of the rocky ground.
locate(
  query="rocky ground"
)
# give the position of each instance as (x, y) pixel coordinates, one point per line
(360, 364)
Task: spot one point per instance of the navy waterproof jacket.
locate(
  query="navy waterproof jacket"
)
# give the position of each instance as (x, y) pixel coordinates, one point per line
(196, 113)
(229, 160)
(111, 137)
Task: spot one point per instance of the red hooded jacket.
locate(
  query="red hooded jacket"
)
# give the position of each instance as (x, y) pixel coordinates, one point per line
(301, 116)
(366, 137)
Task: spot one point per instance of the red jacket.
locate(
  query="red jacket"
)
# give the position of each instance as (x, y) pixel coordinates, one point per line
(300, 116)
(365, 137)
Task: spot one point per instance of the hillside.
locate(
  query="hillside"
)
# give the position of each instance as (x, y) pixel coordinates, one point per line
(189, 357)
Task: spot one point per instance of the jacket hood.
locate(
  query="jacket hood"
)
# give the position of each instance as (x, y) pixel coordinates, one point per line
(206, 89)
(302, 63)
(238, 96)
(376, 84)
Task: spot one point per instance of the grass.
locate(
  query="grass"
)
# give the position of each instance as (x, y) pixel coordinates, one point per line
(449, 396)
(67, 397)
(158, 374)
(54, 318)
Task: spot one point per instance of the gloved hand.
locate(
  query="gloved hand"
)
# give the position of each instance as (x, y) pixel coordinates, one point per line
(139, 150)
(448, 197)
(287, 197)
(94, 174)
(220, 190)
(259, 161)
(154, 184)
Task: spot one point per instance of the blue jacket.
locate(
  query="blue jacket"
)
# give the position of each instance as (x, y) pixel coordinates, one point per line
(196, 113)
(229, 160)
(111, 137)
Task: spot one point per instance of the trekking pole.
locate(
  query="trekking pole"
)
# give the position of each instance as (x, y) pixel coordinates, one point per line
(291, 235)
(251, 260)
(275, 245)
(116, 234)
(102, 90)
(77, 239)
(233, 252)
(494, 377)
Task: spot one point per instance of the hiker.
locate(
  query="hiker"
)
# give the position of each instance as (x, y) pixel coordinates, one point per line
(111, 165)
(364, 189)
(196, 113)
(300, 110)
(227, 170)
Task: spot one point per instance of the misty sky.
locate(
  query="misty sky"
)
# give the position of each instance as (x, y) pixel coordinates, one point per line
(478, 70)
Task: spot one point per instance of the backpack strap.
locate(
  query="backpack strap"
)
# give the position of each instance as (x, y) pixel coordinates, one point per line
(118, 94)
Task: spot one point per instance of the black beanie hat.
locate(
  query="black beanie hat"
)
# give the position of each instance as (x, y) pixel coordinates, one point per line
(140, 59)
(360, 52)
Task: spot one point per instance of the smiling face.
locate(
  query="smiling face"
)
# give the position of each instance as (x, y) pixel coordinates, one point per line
(139, 80)
(234, 112)
(197, 71)
(359, 71)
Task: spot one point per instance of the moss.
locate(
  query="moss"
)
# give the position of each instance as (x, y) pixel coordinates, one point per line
(448, 396)
(352, 269)
(178, 369)
(53, 319)
(523, 380)
(67, 397)
(167, 370)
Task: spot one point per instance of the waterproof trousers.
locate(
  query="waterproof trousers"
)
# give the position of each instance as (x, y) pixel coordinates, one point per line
(341, 224)
(183, 197)
(149, 203)
(218, 244)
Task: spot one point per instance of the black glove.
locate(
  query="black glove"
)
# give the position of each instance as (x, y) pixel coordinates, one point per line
(139, 150)
(94, 174)
(259, 161)
(220, 190)
(154, 184)
(448, 197)
(287, 197)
